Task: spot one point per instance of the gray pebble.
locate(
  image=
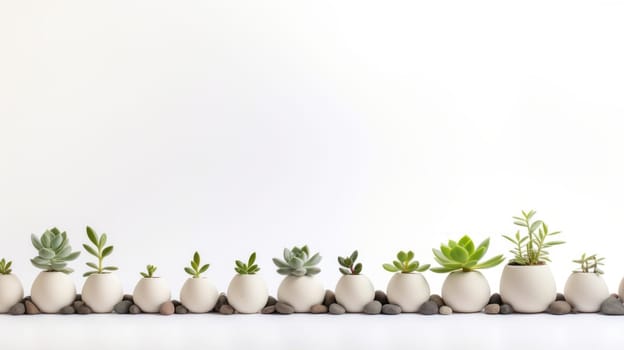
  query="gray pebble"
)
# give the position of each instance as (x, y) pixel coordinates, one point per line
(381, 297)
(68, 310)
(270, 301)
(318, 309)
(78, 303)
(268, 310)
(330, 298)
(391, 309)
(559, 307)
(336, 309)
(17, 309)
(495, 299)
(283, 308)
(612, 306)
(134, 309)
(226, 310)
(492, 309)
(221, 300)
(122, 307)
(428, 308)
(373, 308)
(436, 299)
(180, 309)
(506, 309)
(78, 297)
(560, 297)
(445, 310)
(128, 297)
(31, 308)
(84, 310)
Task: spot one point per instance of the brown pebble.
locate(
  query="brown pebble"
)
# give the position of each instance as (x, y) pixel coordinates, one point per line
(330, 298)
(284, 308)
(492, 309)
(268, 309)
(31, 308)
(226, 309)
(68, 310)
(17, 309)
(221, 300)
(77, 304)
(167, 308)
(318, 309)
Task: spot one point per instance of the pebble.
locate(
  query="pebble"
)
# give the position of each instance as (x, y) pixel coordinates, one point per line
(180, 309)
(68, 310)
(167, 308)
(559, 307)
(330, 298)
(318, 309)
(122, 307)
(373, 308)
(336, 309)
(436, 299)
(17, 309)
(612, 306)
(560, 297)
(270, 301)
(391, 309)
(78, 303)
(428, 308)
(445, 310)
(78, 297)
(496, 299)
(31, 308)
(134, 309)
(176, 302)
(84, 310)
(492, 309)
(226, 309)
(268, 310)
(221, 300)
(381, 297)
(27, 298)
(128, 297)
(506, 309)
(283, 308)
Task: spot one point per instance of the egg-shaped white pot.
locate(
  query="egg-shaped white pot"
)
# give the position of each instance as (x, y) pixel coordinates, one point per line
(621, 288)
(466, 291)
(585, 291)
(528, 288)
(150, 293)
(198, 295)
(408, 290)
(247, 294)
(11, 292)
(51, 291)
(353, 292)
(301, 292)
(101, 291)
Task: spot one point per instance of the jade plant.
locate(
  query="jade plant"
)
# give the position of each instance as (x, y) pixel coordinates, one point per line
(250, 268)
(5, 267)
(100, 251)
(194, 270)
(298, 262)
(348, 265)
(531, 249)
(462, 255)
(590, 264)
(404, 264)
(54, 251)
(150, 271)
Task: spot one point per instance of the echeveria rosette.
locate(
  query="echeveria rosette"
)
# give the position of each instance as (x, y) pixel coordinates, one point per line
(348, 265)
(463, 256)
(54, 251)
(298, 262)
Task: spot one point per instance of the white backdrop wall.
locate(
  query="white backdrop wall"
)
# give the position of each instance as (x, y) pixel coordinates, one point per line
(227, 127)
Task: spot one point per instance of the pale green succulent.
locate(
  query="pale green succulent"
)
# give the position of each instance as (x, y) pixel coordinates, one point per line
(54, 251)
(297, 262)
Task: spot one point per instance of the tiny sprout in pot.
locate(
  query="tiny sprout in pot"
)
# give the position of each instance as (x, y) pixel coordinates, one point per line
(198, 294)
(11, 291)
(585, 289)
(407, 288)
(299, 288)
(465, 289)
(151, 291)
(247, 292)
(353, 290)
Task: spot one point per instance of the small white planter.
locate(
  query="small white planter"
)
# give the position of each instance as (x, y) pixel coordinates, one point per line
(621, 288)
(51, 291)
(353, 292)
(150, 293)
(247, 294)
(198, 295)
(101, 291)
(585, 291)
(528, 289)
(466, 291)
(11, 292)
(301, 292)
(408, 290)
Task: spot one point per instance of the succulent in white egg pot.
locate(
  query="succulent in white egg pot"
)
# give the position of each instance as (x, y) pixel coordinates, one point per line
(300, 289)
(585, 289)
(247, 293)
(11, 290)
(353, 290)
(102, 288)
(407, 288)
(527, 283)
(150, 291)
(53, 289)
(465, 289)
(198, 294)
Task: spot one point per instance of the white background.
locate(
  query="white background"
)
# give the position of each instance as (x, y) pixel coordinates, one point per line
(227, 127)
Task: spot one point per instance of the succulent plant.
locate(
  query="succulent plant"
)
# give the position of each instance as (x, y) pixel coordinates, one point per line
(54, 251)
(590, 264)
(150, 271)
(297, 262)
(531, 248)
(348, 265)
(462, 255)
(100, 252)
(250, 268)
(404, 264)
(5, 267)
(195, 270)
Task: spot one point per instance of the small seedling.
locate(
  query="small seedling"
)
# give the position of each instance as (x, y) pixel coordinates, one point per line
(348, 265)
(404, 264)
(590, 264)
(463, 255)
(150, 271)
(5, 267)
(195, 270)
(54, 251)
(297, 262)
(250, 268)
(100, 251)
(531, 249)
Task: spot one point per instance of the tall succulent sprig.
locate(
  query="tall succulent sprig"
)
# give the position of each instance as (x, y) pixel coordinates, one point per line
(531, 249)
(100, 251)
(195, 270)
(5, 267)
(298, 262)
(250, 268)
(150, 271)
(462, 255)
(404, 264)
(54, 251)
(348, 265)
(590, 264)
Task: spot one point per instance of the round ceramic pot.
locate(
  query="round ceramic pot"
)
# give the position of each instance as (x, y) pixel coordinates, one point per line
(528, 289)
(408, 290)
(51, 291)
(101, 291)
(150, 293)
(11, 292)
(301, 292)
(198, 295)
(247, 294)
(353, 292)
(585, 291)
(466, 291)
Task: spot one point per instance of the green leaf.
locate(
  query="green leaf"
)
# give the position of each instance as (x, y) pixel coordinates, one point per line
(279, 263)
(390, 268)
(92, 265)
(195, 264)
(398, 265)
(478, 254)
(440, 258)
(90, 250)
(342, 262)
(402, 256)
(424, 268)
(146, 276)
(240, 264)
(204, 268)
(490, 263)
(87, 274)
(442, 269)
(314, 260)
(354, 255)
(536, 225)
(72, 256)
(110, 268)
(188, 270)
(459, 254)
(252, 259)
(358, 268)
(344, 271)
(92, 236)
(35, 242)
(102, 241)
(46, 253)
(410, 255)
(56, 242)
(107, 251)
(196, 258)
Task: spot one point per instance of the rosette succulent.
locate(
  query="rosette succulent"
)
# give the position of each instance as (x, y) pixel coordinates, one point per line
(463, 255)
(404, 264)
(298, 262)
(54, 251)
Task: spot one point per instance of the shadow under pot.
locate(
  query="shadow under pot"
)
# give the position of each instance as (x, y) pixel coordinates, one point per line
(247, 294)
(52, 290)
(150, 293)
(528, 288)
(408, 290)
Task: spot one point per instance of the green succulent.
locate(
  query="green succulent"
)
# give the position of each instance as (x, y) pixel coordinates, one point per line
(150, 271)
(100, 251)
(590, 264)
(297, 262)
(463, 255)
(250, 268)
(348, 265)
(5, 267)
(531, 248)
(54, 251)
(195, 270)
(404, 264)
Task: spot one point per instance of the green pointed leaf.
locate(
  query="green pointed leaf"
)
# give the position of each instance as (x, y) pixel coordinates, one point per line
(35, 242)
(344, 271)
(354, 255)
(92, 265)
(390, 268)
(358, 268)
(459, 254)
(72, 256)
(107, 251)
(102, 241)
(252, 259)
(279, 263)
(110, 268)
(314, 260)
(402, 256)
(189, 271)
(90, 250)
(92, 236)
(204, 268)
(46, 253)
